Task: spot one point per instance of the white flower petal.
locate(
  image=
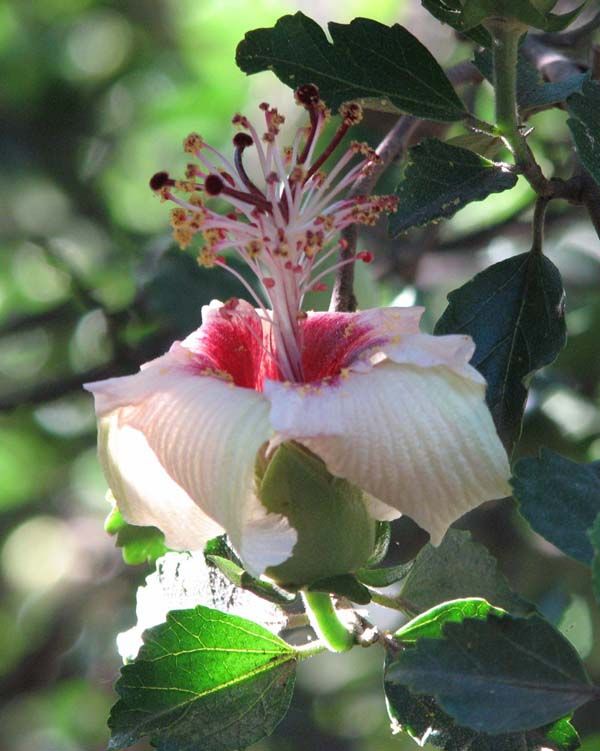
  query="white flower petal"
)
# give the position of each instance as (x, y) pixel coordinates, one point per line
(179, 448)
(420, 439)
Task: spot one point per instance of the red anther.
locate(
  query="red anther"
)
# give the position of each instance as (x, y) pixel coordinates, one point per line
(233, 216)
(307, 94)
(159, 180)
(269, 282)
(242, 140)
(288, 265)
(213, 185)
(365, 256)
(264, 106)
(344, 244)
(222, 260)
(320, 287)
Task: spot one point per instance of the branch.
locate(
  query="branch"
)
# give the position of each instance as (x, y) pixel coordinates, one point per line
(391, 147)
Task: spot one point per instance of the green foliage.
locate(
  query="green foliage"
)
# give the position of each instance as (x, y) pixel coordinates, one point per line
(498, 675)
(408, 78)
(594, 535)
(383, 577)
(203, 679)
(138, 544)
(527, 12)
(422, 717)
(344, 585)
(336, 535)
(242, 579)
(450, 12)
(514, 310)
(584, 123)
(430, 624)
(532, 90)
(458, 568)
(383, 536)
(560, 499)
(440, 179)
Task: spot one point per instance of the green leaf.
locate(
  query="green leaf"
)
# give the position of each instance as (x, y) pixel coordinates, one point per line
(138, 544)
(458, 568)
(220, 546)
(514, 311)
(421, 717)
(204, 679)
(344, 586)
(383, 577)
(384, 67)
(563, 735)
(430, 623)
(241, 578)
(440, 179)
(594, 534)
(500, 675)
(532, 91)
(383, 536)
(450, 12)
(528, 12)
(560, 499)
(184, 580)
(584, 123)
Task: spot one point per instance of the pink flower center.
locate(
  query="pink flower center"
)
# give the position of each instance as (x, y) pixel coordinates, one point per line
(283, 229)
(236, 344)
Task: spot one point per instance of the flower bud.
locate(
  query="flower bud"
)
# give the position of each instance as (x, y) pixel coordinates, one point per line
(336, 535)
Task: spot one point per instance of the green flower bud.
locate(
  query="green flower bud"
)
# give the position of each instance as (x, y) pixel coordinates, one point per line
(336, 535)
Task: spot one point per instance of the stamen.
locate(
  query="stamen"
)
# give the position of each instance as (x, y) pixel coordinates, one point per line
(161, 180)
(241, 141)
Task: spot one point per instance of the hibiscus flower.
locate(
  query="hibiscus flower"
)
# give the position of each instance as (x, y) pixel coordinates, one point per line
(398, 413)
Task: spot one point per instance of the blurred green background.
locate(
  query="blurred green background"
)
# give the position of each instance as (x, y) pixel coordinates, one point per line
(95, 97)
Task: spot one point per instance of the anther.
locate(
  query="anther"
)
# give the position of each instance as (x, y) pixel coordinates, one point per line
(242, 140)
(213, 185)
(307, 95)
(365, 256)
(160, 180)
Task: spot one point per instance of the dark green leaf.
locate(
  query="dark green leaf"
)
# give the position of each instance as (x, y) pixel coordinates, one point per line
(525, 11)
(514, 311)
(501, 675)
(560, 499)
(220, 546)
(450, 12)
(241, 578)
(421, 717)
(344, 586)
(584, 123)
(386, 67)
(594, 534)
(440, 179)
(138, 544)
(458, 568)
(383, 577)
(203, 679)
(430, 623)
(532, 91)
